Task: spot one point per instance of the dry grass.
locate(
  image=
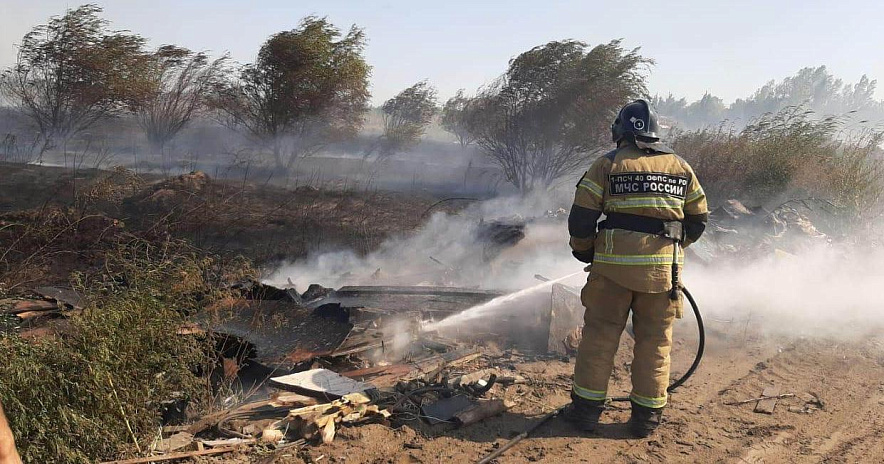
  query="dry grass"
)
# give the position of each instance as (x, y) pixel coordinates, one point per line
(269, 224)
(96, 390)
(789, 155)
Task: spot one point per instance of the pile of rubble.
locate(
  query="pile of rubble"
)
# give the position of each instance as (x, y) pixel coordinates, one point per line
(306, 364)
(736, 231)
(43, 313)
(314, 362)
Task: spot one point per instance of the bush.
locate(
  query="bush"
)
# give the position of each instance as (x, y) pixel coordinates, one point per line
(786, 155)
(97, 391)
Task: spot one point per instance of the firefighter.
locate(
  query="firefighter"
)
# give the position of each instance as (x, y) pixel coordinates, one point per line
(654, 207)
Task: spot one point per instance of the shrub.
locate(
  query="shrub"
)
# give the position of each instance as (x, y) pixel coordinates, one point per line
(789, 154)
(97, 391)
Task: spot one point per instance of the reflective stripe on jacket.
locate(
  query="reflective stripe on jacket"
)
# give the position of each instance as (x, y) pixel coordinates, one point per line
(645, 183)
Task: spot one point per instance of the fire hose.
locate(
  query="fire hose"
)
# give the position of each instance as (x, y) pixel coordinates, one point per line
(701, 346)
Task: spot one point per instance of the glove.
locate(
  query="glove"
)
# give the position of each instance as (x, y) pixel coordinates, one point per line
(584, 256)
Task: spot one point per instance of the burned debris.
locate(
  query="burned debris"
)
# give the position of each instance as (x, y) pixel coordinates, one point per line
(738, 231)
(352, 356)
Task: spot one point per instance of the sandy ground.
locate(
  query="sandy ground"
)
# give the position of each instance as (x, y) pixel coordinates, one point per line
(699, 426)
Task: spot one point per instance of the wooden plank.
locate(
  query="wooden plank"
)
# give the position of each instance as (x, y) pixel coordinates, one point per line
(360, 348)
(174, 456)
(767, 405)
(288, 399)
(424, 367)
(25, 315)
(21, 306)
(229, 442)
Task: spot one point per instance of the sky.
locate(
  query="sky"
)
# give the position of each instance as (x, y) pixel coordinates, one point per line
(728, 48)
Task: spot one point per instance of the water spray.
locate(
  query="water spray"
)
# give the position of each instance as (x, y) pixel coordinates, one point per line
(482, 310)
(479, 311)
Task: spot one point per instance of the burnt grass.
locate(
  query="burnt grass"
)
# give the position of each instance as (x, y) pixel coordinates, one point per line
(73, 214)
(147, 254)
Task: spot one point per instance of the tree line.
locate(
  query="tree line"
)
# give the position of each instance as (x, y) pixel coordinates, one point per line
(544, 118)
(814, 88)
(309, 86)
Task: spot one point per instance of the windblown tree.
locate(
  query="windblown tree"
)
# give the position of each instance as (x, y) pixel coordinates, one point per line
(454, 118)
(815, 88)
(309, 86)
(74, 71)
(550, 113)
(178, 82)
(406, 117)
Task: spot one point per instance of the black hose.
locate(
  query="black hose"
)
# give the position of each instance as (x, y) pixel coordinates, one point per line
(701, 346)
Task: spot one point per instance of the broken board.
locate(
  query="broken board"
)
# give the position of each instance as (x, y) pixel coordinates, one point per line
(320, 381)
(565, 320)
(767, 405)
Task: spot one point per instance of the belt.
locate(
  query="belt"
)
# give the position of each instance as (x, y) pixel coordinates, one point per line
(670, 229)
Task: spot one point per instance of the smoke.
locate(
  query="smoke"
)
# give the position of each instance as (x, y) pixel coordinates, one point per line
(825, 289)
(448, 250)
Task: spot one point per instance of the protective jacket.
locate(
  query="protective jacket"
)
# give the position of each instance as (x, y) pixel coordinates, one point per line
(648, 182)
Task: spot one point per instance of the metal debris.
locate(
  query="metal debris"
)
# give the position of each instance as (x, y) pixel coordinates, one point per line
(322, 382)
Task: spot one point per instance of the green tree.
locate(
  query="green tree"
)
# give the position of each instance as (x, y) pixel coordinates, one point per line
(550, 113)
(308, 86)
(707, 108)
(178, 82)
(814, 89)
(454, 118)
(406, 117)
(74, 71)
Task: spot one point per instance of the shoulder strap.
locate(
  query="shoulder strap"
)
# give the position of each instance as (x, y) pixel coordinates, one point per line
(612, 154)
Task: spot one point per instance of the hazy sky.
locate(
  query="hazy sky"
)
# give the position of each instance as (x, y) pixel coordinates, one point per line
(728, 48)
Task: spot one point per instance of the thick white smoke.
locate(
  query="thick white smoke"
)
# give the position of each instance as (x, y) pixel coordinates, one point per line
(828, 289)
(447, 251)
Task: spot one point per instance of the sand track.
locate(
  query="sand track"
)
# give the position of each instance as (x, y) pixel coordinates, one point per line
(847, 377)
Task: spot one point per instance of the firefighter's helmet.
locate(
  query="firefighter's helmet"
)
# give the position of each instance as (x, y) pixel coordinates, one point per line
(639, 120)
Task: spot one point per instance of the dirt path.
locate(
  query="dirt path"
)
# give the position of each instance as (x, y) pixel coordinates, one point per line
(847, 377)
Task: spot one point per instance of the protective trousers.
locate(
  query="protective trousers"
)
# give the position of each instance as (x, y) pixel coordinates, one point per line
(607, 309)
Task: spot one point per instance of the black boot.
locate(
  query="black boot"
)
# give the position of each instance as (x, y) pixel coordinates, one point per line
(644, 420)
(584, 414)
